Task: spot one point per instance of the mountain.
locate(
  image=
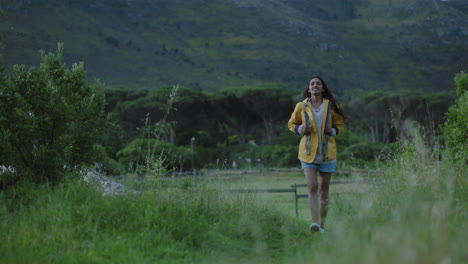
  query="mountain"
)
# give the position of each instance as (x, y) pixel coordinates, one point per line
(213, 44)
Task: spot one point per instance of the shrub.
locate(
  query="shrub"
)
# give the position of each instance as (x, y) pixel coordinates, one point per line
(455, 129)
(142, 152)
(365, 150)
(278, 155)
(248, 156)
(50, 119)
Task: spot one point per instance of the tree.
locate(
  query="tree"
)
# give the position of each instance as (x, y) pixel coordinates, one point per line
(390, 115)
(233, 116)
(270, 103)
(455, 128)
(50, 119)
(1, 67)
(178, 123)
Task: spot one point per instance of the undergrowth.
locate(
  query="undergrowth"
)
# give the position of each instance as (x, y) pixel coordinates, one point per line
(73, 223)
(414, 211)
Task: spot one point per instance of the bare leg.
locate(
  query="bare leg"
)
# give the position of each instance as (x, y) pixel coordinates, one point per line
(324, 189)
(312, 186)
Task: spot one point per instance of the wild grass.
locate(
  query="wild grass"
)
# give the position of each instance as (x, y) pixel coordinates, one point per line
(414, 211)
(73, 223)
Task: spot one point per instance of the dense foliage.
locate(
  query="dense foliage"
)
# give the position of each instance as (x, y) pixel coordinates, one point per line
(249, 123)
(456, 127)
(184, 128)
(50, 120)
(216, 126)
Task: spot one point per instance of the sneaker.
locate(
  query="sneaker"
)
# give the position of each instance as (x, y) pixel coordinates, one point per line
(314, 227)
(321, 230)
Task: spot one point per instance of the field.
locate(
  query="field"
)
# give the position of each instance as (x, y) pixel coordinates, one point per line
(412, 211)
(260, 185)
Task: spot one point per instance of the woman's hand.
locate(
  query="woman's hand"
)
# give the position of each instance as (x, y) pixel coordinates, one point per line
(305, 130)
(328, 131)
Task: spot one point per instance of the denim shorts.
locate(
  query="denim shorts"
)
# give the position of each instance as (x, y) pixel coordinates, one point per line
(325, 167)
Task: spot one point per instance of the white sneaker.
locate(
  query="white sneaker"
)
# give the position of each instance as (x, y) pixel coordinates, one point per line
(314, 227)
(321, 230)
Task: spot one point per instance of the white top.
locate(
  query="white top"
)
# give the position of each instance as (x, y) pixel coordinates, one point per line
(318, 118)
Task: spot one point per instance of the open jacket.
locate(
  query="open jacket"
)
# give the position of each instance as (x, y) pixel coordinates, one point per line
(308, 145)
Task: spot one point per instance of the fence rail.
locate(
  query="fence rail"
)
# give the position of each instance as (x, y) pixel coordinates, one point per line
(264, 190)
(294, 190)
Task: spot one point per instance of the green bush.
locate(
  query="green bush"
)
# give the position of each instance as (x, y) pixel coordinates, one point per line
(455, 129)
(142, 152)
(350, 137)
(278, 155)
(266, 155)
(357, 150)
(108, 165)
(365, 150)
(50, 119)
(208, 157)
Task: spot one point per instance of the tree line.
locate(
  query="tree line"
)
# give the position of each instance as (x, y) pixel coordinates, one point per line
(53, 120)
(247, 119)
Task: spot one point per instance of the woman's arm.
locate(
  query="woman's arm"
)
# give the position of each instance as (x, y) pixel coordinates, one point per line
(295, 121)
(337, 122)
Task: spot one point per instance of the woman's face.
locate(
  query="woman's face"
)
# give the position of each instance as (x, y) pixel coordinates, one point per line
(315, 86)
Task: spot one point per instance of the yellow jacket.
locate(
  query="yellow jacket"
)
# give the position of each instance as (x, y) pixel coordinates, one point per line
(298, 118)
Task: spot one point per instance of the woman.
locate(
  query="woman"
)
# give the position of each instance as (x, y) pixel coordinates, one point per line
(318, 119)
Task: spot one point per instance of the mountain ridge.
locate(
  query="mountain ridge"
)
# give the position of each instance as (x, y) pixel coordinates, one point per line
(210, 45)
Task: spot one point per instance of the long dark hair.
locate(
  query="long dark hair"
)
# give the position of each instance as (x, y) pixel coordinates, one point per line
(325, 94)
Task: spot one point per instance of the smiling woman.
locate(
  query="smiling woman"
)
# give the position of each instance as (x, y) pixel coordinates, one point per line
(318, 119)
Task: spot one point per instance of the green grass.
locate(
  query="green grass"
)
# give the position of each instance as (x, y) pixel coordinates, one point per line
(283, 179)
(413, 211)
(74, 223)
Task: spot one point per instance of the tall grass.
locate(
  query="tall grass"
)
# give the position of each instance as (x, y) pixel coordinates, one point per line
(414, 212)
(73, 223)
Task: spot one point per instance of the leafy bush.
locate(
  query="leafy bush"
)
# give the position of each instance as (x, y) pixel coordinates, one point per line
(50, 119)
(455, 130)
(142, 152)
(349, 137)
(108, 165)
(275, 156)
(365, 150)
(208, 157)
(278, 155)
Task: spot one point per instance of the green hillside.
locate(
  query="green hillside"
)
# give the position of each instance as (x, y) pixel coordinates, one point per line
(213, 44)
